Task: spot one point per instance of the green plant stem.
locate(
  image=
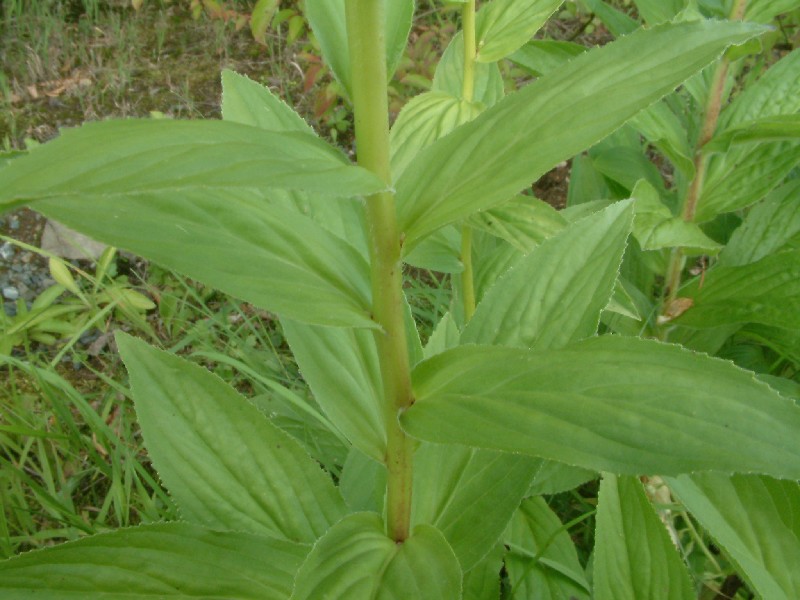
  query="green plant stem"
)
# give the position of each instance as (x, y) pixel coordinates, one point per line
(365, 28)
(710, 120)
(470, 49)
(467, 92)
(467, 276)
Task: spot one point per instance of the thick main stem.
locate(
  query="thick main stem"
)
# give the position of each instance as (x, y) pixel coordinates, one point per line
(365, 29)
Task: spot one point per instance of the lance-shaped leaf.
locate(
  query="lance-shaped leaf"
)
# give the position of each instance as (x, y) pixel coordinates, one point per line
(658, 11)
(423, 120)
(780, 127)
(622, 405)
(224, 463)
(766, 291)
(502, 26)
(169, 560)
(766, 10)
(756, 520)
(122, 158)
(542, 562)
(327, 20)
(341, 368)
(634, 557)
(476, 493)
(524, 222)
(237, 242)
(656, 228)
(542, 56)
(511, 144)
(555, 295)
(767, 228)
(355, 560)
(249, 103)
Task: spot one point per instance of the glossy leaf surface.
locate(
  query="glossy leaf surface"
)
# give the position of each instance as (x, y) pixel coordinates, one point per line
(614, 404)
(224, 463)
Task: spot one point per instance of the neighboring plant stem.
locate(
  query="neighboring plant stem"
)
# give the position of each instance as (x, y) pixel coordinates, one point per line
(710, 120)
(366, 24)
(468, 92)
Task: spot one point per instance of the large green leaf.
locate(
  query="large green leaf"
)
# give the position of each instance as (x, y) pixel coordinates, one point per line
(236, 242)
(542, 563)
(327, 20)
(502, 26)
(756, 520)
(768, 227)
(555, 294)
(766, 291)
(635, 558)
(622, 405)
(475, 494)
(341, 368)
(222, 460)
(131, 157)
(487, 161)
(170, 560)
(355, 560)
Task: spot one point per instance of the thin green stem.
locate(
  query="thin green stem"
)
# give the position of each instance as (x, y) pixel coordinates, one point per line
(365, 28)
(468, 92)
(467, 276)
(470, 49)
(713, 108)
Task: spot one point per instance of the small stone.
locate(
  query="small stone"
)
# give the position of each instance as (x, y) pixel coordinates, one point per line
(13, 223)
(10, 292)
(7, 251)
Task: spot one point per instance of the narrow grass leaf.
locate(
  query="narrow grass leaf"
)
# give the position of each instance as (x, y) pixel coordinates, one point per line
(476, 494)
(622, 405)
(555, 294)
(502, 26)
(487, 161)
(355, 560)
(124, 158)
(239, 243)
(169, 560)
(542, 562)
(635, 558)
(756, 520)
(766, 291)
(224, 463)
